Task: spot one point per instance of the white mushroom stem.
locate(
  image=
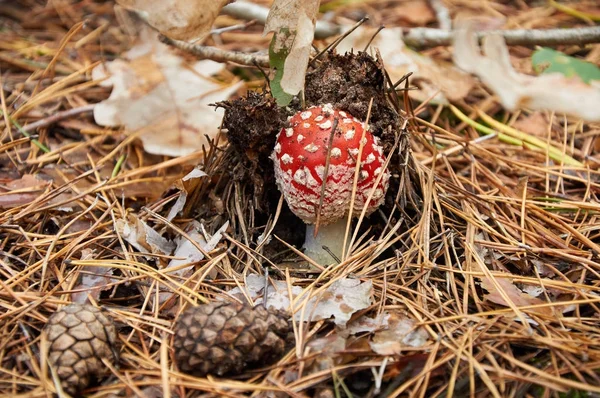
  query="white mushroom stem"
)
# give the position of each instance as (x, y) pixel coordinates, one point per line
(331, 236)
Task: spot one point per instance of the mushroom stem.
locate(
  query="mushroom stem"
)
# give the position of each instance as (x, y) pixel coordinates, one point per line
(331, 236)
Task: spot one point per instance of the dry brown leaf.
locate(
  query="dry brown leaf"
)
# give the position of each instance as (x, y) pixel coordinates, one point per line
(400, 334)
(441, 81)
(339, 301)
(534, 124)
(93, 280)
(182, 199)
(165, 100)
(187, 253)
(22, 191)
(298, 17)
(417, 12)
(178, 19)
(516, 295)
(551, 91)
(143, 237)
(28, 188)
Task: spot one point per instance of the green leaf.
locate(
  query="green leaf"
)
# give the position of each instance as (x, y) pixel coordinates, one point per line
(278, 52)
(546, 60)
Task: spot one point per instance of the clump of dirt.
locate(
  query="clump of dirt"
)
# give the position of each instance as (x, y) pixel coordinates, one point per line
(349, 82)
(252, 122)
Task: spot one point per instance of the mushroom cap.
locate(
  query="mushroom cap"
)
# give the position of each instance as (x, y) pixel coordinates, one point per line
(300, 156)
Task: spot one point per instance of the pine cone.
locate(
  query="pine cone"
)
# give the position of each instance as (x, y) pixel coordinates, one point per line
(221, 338)
(80, 336)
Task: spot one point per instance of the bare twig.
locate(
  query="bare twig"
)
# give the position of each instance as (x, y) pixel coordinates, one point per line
(442, 14)
(248, 11)
(58, 117)
(416, 37)
(426, 37)
(216, 54)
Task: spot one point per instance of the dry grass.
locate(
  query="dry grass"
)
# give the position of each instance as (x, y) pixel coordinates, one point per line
(494, 216)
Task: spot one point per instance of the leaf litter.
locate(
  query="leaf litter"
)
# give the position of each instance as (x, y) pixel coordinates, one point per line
(158, 96)
(425, 319)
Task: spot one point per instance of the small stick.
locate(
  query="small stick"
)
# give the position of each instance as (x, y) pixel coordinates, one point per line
(325, 173)
(427, 37)
(218, 55)
(265, 295)
(373, 37)
(338, 40)
(58, 117)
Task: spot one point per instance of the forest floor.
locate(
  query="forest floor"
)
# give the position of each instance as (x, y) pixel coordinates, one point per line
(479, 277)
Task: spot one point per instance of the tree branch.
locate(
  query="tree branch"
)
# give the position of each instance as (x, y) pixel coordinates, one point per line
(427, 37)
(218, 55)
(415, 37)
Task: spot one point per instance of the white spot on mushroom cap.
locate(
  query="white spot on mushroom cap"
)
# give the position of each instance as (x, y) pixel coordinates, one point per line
(363, 141)
(370, 159)
(310, 180)
(312, 148)
(347, 120)
(328, 108)
(325, 125)
(320, 170)
(319, 118)
(377, 171)
(364, 174)
(300, 176)
(277, 148)
(300, 138)
(343, 114)
(306, 125)
(349, 134)
(336, 152)
(289, 132)
(306, 115)
(287, 159)
(353, 151)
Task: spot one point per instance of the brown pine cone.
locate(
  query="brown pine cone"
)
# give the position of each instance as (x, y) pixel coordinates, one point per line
(221, 337)
(80, 336)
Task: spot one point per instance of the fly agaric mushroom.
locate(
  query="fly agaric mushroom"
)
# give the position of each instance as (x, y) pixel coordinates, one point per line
(301, 163)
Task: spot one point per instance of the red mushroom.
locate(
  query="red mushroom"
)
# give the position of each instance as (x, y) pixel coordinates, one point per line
(300, 158)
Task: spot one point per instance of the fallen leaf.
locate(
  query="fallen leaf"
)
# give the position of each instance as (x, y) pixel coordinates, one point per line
(326, 352)
(93, 281)
(547, 60)
(178, 19)
(339, 301)
(188, 252)
(416, 12)
(516, 295)
(440, 81)
(293, 22)
(399, 334)
(22, 191)
(163, 99)
(534, 124)
(143, 237)
(551, 91)
(182, 199)
(368, 324)
(342, 299)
